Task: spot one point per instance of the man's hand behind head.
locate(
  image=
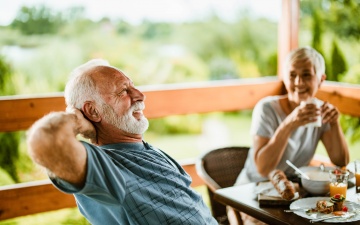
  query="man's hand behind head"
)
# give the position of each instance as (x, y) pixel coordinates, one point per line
(83, 125)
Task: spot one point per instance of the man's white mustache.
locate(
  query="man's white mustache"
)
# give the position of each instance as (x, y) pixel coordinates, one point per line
(138, 106)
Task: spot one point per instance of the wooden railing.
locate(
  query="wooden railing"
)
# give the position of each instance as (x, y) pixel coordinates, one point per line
(19, 112)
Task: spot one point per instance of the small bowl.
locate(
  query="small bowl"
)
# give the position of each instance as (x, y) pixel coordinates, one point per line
(318, 185)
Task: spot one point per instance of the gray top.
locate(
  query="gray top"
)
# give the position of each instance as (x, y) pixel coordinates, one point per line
(266, 118)
(135, 183)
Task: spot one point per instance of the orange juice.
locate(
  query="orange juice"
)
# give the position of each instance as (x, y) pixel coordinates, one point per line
(338, 188)
(357, 176)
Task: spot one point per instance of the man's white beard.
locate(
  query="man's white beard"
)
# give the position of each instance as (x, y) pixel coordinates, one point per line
(128, 122)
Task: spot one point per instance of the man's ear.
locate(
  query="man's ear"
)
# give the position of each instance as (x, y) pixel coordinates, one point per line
(91, 112)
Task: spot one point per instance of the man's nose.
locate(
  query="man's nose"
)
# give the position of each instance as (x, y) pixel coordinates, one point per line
(137, 95)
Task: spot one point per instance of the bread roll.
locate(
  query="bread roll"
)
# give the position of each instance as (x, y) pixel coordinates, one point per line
(285, 187)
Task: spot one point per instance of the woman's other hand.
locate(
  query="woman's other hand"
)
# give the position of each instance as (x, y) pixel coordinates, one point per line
(330, 113)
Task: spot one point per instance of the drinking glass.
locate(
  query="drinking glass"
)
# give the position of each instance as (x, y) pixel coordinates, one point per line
(357, 176)
(338, 182)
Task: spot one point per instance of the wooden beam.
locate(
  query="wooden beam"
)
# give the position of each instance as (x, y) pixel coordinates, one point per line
(342, 89)
(346, 98)
(19, 113)
(226, 96)
(30, 198)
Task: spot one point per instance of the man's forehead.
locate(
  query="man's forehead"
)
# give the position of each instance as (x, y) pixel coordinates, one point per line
(107, 72)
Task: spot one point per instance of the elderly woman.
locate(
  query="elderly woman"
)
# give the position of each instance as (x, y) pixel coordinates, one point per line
(280, 124)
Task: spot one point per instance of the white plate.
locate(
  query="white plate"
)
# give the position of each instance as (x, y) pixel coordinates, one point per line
(311, 203)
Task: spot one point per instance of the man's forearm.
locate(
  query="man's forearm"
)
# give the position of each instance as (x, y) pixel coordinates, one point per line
(52, 144)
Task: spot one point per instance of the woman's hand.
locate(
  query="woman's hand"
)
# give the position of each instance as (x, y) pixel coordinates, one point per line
(330, 114)
(303, 114)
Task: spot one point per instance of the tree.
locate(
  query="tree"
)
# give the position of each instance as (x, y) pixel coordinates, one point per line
(37, 20)
(317, 31)
(338, 64)
(343, 17)
(338, 16)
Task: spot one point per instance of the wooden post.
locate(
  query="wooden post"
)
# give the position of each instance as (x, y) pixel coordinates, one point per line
(288, 31)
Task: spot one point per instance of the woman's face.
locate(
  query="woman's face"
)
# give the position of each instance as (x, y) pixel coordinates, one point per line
(301, 81)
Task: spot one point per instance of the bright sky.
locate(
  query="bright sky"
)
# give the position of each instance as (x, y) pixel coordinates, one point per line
(158, 10)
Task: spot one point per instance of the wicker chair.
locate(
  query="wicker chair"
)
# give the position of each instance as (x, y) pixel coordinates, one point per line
(219, 168)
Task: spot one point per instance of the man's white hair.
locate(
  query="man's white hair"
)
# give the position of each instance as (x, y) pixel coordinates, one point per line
(80, 87)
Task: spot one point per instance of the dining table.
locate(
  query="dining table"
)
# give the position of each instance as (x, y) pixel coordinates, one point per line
(244, 199)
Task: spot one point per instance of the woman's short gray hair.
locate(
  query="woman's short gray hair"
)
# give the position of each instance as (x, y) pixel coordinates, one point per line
(304, 54)
(80, 87)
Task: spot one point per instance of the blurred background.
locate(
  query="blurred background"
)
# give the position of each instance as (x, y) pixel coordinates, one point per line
(160, 42)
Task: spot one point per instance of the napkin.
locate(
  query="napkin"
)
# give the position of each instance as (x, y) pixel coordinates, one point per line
(268, 189)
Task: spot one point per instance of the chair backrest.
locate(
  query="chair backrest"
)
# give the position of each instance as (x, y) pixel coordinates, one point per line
(219, 168)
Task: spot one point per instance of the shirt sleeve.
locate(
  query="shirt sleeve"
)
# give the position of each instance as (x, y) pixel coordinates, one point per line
(264, 119)
(100, 174)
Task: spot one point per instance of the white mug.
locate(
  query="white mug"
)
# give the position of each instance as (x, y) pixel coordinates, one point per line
(317, 102)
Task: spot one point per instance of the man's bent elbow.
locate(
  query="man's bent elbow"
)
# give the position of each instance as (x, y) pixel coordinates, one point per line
(35, 146)
(38, 140)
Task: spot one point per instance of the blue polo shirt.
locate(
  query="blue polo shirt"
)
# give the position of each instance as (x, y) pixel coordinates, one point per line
(134, 183)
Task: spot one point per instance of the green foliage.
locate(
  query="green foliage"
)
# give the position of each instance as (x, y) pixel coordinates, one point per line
(338, 64)
(155, 30)
(270, 65)
(6, 83)
(187, 124)
(151, 52)
(123, 27)
(37, 20)
(351, 126)
(9, 153)
(338, 16)
(241, 43)
(5, 178)
(352, 75)
(222, 69)
(343, 17)
(317, 31)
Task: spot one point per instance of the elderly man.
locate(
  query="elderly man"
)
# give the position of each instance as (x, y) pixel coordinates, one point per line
(117, 178)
